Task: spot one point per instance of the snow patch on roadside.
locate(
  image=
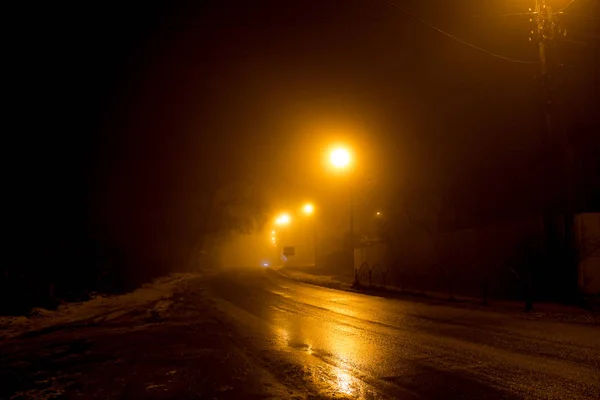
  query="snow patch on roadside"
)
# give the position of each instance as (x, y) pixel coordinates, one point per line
(99, 309)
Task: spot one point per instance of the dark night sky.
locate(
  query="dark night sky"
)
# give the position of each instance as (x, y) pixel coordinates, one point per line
(135, 107)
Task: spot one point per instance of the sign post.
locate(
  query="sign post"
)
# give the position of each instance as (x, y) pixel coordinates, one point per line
(289, 251)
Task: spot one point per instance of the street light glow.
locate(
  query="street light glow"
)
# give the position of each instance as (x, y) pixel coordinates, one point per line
(340, 158)
(283, 219)
(308, 209)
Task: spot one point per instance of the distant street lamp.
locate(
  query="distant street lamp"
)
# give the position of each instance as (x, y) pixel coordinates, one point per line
(341, 158)
(308, 209)
(283, 219)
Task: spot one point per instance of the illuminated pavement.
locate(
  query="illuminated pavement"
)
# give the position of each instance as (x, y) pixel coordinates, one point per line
(339, 344)
(253, 334)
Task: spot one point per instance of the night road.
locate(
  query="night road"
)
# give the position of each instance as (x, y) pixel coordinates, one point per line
(359, 346)
(256, 334)
(194, 186)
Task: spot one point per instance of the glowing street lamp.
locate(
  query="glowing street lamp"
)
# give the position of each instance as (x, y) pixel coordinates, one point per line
(308, 209)
(340, 158)
(283, 219)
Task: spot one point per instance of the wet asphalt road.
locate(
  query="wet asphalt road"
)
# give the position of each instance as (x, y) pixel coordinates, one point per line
(324, 342)
(254, 334)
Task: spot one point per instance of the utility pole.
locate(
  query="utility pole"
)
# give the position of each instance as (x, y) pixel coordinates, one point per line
(314, 241)
(352, 241)
(544, 31)
(559, 193)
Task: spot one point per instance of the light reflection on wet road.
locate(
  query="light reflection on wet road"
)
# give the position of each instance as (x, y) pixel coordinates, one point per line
(338, 344)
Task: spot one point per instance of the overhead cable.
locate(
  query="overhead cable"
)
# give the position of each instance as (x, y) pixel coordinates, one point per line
(464, 42)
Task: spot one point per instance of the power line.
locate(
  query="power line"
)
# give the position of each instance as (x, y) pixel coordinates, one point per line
(567, 6)
(580, 16)
(435, 28)
(505, 15)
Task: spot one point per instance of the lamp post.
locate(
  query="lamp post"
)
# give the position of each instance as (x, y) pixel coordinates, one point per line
(282, 221)
(341, 159)
(308, 209)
